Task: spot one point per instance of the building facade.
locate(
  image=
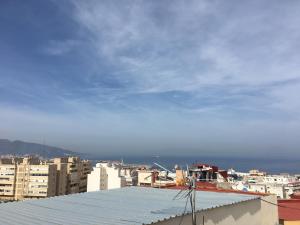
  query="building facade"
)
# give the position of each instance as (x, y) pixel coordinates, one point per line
(25, 178)
(105, 176)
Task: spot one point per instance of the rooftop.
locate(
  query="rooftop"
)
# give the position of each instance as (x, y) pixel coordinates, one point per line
(289, 210)
(126, 206)
(211, 187)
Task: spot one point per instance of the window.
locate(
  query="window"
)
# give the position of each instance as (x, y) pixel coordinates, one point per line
(39, 174)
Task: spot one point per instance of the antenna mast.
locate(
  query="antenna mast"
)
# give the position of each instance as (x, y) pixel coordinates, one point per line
(193, 200)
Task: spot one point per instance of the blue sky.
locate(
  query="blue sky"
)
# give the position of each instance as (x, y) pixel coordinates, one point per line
(152, 77)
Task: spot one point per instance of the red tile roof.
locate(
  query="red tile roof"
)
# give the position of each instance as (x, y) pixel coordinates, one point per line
(289, 210)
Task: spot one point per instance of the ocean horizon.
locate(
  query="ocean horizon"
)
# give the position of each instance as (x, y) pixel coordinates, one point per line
(269, 165)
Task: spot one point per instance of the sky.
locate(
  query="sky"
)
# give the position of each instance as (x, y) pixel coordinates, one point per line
(199, 77)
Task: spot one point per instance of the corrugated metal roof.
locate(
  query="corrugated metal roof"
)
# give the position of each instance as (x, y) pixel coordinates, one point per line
(126, 206)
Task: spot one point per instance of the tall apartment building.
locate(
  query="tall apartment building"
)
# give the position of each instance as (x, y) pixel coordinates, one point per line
(35, 181)
(23, 178)
(61, 175)
(77, 171)
(7, 180)
(85, 168)
(26, 178)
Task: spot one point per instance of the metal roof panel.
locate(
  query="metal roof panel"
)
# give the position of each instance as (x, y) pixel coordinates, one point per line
(125, 206)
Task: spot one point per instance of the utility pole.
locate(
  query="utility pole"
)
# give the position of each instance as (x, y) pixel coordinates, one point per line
(193, 186)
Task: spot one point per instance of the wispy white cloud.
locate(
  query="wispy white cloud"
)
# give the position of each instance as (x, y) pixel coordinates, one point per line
(201, 44)
(201, 72)
(60, 47)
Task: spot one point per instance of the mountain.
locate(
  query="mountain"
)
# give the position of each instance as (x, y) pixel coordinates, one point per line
(20, 148)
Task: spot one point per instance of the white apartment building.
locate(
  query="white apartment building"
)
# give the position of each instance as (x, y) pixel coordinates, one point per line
(276, 189)
(282, 191)
(105, 176)
(279, 179)
(260, 188)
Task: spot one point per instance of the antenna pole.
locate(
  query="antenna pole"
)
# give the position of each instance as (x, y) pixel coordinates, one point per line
(194, 201)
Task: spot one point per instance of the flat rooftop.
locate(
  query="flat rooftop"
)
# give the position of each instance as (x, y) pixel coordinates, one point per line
(126, 206)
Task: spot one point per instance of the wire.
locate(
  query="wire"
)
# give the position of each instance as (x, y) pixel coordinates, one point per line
(188, 194)
(282, 206)
(186, 203)
(184, 193)
(175, 197)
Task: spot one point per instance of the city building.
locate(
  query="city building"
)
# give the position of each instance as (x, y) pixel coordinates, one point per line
(257, 173)
(291, 188)
(7, 179)
(77, 171)
(279, 179)
(74, 173)
(282, 185)
(106, 176)
(130, 172)
(147, 177)
(143, 205)
(61, 175)
(26, 178)
(207, 173)
(30, 177)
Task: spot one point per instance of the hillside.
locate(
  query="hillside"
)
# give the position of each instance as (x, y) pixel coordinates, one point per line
(20, 148)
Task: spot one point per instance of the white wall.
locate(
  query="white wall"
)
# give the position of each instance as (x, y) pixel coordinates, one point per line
(261, 188)
(114, 178)
(104, 177)
(251, 212)
(93, 182)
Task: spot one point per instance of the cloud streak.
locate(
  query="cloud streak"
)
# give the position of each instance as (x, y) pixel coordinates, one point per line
(188, 47)
(208, 73)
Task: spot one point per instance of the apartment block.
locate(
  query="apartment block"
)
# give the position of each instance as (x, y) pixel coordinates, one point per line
(25, 178)
(22, 178)
(35, 181)
(61, 175)
(72, 174)
(85, 168)
(7, 181)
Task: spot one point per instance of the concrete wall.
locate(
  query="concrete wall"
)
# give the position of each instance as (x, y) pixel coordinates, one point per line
(291, 223)
(145, 178)
(252, 212)
(114, 178)
(93, 183)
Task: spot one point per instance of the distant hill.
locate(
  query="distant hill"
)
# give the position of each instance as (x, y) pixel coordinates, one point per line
(20, 148)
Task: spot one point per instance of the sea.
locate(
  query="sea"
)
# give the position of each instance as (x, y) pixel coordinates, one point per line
(269, 165)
